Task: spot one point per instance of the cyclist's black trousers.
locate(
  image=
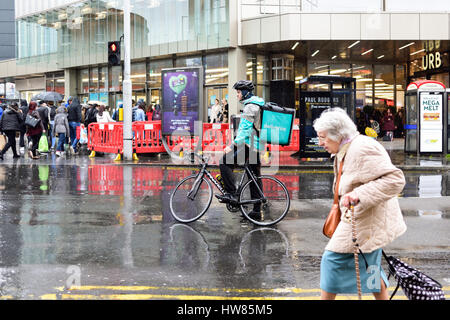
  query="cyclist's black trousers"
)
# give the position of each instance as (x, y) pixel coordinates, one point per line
(237, 157)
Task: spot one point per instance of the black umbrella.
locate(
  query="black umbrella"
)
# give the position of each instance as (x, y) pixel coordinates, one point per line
(48, 96)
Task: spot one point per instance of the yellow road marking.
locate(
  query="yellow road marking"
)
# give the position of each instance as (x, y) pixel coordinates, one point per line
(146, 288)
(237, 290)
(73, 293)
(194, 297)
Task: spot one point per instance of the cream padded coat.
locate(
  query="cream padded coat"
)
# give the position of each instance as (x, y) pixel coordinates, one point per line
(369, 171)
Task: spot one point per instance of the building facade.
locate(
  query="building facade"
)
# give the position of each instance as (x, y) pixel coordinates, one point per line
(7, 39)
(61, 45)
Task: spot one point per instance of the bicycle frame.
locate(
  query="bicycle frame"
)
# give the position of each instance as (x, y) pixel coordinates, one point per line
(204, 171)
(196, 186)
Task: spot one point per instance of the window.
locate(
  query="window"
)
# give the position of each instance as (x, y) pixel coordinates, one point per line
(83, 81)
(154, 72)
(115, 78)
(364, 81)
(384, 86)
(103, 79)
(93, 79)
(216, 69)
(138, 76)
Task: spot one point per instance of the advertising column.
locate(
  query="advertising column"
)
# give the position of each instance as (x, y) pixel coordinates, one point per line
(431, 121)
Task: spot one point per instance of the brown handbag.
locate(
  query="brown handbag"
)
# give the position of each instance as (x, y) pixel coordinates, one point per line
(334, 217)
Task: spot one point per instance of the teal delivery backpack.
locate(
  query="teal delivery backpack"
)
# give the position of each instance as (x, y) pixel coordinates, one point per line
(276, 124)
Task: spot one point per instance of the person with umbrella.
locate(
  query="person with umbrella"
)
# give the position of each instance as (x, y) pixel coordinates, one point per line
(48, 96)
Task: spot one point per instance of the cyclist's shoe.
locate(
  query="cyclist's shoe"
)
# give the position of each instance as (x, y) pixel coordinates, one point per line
(255, 215)
(227, 198)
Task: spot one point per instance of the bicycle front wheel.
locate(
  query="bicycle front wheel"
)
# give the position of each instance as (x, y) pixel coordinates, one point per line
(185, 208)
(273, 209)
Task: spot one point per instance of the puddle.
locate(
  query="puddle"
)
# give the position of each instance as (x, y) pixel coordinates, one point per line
(430, 214)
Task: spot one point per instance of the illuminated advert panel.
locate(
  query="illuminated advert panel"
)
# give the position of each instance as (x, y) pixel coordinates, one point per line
(181, 100)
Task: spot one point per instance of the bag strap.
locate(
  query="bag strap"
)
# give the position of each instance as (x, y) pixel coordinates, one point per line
(336, 189)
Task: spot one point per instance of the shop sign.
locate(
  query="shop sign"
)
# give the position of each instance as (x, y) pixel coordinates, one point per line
(431, 60)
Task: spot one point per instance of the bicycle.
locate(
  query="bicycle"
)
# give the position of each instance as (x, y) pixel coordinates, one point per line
(192, 196)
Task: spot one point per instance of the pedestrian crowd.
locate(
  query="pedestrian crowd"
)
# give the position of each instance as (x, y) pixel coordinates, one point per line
(59, 124)
(218, 112)
(388, 123)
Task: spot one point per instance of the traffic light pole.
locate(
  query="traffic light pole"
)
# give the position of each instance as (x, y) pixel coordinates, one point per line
(126, 87)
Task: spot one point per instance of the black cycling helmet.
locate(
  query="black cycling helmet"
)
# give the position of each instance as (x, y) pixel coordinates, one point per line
(244, 85)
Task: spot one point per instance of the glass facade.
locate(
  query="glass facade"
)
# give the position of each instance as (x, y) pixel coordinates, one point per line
(77, 34)
(55, 82)
(258, 8)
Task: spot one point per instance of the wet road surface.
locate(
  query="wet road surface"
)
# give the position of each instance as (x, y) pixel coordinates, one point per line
(86, 230)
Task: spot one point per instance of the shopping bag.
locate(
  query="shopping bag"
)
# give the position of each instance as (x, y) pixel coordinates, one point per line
(415, 284)
(31, 121)
(370, 132)
(43, 144)
(2, 141)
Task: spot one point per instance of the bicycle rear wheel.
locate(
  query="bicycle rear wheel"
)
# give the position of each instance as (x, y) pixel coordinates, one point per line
(274, 209)
(183, 208)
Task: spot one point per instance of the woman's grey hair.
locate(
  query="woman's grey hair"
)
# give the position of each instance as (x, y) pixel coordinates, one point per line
(336, 123)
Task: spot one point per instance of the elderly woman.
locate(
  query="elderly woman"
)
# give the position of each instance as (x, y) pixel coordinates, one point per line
(372, 182)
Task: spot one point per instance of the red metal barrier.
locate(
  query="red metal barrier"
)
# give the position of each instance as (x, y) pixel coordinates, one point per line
(216, 136)
(178, 143)
(106, 137)
(147, 137)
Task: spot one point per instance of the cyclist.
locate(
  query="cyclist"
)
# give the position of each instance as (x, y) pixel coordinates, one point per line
(244, 147)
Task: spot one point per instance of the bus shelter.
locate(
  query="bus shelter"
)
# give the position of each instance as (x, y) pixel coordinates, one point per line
(426, 125)
(318, 93)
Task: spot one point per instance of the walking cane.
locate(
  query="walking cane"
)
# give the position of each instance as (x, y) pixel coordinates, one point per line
(355, 251)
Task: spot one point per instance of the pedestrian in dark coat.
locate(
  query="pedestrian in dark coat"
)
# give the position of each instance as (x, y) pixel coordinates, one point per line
(388, 124)
(10, 123)
(23, 128)
(74, 118)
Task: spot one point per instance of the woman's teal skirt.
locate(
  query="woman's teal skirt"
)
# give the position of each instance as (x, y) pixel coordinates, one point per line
(337, 272)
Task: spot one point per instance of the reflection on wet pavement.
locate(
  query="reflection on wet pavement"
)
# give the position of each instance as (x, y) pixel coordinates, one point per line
(113, 223)
(108, 179)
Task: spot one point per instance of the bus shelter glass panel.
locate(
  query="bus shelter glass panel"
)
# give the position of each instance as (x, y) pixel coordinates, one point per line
(318, 93)
(312, 104)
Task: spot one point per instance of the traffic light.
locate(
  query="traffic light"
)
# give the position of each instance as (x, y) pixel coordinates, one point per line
(114, 53)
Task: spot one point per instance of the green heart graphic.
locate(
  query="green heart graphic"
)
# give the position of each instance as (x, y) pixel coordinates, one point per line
(178, 83)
